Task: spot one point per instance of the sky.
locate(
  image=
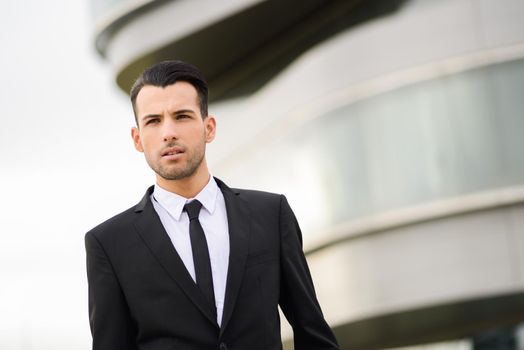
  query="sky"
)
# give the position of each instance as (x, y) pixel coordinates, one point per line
(67, 164)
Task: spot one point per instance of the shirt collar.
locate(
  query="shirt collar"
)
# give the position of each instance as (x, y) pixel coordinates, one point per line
(174, 203)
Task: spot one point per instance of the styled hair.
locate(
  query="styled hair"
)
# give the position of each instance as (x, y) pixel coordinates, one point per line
(168, 73)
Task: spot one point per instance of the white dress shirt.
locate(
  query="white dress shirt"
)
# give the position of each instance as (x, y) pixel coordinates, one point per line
(212, 217)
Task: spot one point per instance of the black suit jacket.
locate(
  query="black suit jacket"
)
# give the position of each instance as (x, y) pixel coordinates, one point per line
(142, 297)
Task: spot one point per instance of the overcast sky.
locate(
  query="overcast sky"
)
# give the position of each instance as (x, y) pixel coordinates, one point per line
(67, 163)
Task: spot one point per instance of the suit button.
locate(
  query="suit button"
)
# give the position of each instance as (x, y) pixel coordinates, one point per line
(222, 346)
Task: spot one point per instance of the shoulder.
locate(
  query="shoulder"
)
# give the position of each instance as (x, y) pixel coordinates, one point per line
(264, 203)
(115, 224)
(253, 198)
(123, 221)
(116, 221)
(258, 196)
(248, 194)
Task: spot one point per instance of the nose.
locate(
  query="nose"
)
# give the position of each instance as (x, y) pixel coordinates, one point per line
(169, 131)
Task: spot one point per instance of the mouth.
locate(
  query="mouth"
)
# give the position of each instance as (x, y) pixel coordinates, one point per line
(172, 151)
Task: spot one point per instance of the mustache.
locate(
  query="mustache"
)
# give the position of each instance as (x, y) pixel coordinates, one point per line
(173, 144)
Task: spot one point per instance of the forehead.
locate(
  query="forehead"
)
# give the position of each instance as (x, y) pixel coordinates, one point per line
(155, 99)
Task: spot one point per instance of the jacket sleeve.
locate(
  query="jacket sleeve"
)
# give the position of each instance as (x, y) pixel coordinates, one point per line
(111, 324)
(298, 300)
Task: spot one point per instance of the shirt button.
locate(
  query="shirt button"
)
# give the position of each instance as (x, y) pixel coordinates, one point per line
(222, 346)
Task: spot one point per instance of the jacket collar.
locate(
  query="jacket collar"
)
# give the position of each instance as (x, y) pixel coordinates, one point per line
(155, 237)
(150, 229)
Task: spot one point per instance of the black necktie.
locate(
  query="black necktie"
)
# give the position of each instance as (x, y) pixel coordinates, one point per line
(204, 278)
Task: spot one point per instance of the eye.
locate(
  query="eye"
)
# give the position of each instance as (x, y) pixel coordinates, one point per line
(182, 116)
(152, 121)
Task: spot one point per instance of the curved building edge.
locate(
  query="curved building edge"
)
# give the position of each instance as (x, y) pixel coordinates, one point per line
(429, 169)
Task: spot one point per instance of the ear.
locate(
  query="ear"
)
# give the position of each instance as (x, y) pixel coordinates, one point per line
(211, 126)
(135, 134)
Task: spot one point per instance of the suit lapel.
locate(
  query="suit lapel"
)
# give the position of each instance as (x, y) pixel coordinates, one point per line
(238, 218)
(150, 228)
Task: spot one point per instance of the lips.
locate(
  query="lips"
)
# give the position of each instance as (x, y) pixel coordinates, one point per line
(172, 151)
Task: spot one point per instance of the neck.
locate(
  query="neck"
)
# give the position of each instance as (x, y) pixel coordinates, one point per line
(187, 187)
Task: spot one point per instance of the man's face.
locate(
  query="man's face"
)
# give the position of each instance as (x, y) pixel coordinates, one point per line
(171, 132)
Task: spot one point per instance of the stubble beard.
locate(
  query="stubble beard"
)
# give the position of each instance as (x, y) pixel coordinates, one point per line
(194, 160)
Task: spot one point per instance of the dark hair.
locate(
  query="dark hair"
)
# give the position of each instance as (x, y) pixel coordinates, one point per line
(167, 73)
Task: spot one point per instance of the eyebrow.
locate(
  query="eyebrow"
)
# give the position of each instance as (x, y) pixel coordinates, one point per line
(183, 111)
(178, 112)
(150, 116)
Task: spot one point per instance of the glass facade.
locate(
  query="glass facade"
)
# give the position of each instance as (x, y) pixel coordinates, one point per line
(432, 140)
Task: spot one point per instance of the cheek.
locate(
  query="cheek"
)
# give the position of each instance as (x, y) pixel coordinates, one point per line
(194, 135)
(205, 133)
(147, 142)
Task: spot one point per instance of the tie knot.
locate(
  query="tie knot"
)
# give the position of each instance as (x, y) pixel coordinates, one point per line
(193, 209)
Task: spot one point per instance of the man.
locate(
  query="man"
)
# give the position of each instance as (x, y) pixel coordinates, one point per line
(196, 264)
